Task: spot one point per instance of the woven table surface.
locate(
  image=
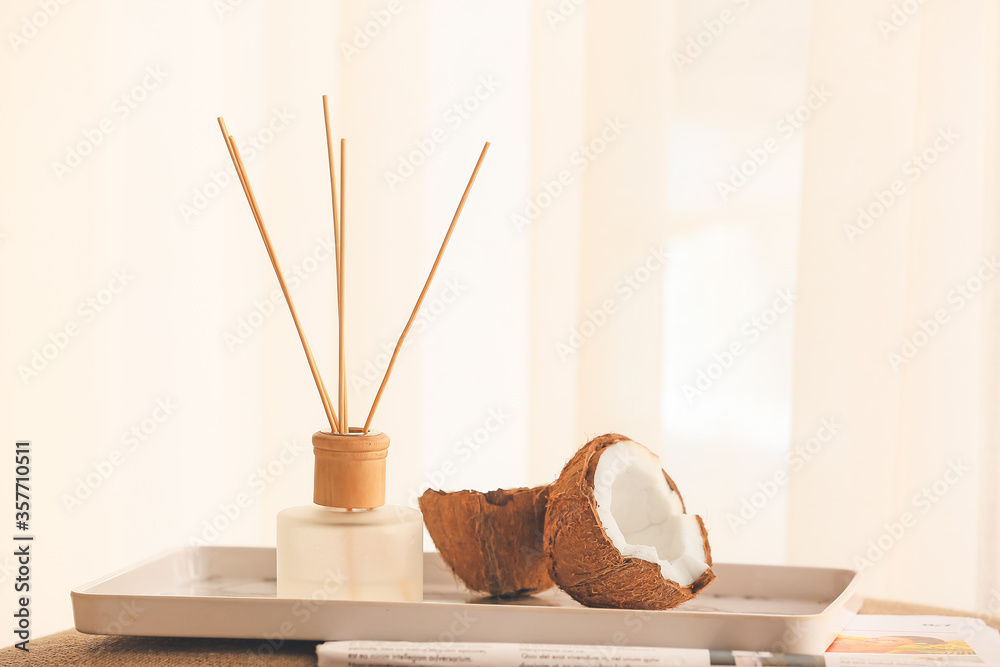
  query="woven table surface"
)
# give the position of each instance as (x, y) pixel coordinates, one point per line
(74, 648)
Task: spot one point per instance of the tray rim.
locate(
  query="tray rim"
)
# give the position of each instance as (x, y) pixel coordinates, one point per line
(84, 591)
(338, 619)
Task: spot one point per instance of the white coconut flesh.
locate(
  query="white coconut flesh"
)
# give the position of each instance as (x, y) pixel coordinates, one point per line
(643, 517)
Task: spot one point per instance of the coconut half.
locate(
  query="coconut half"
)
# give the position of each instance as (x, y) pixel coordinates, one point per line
(616, 531)
(491, 541)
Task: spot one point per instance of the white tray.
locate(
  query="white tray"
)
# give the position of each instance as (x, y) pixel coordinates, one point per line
(229, 592)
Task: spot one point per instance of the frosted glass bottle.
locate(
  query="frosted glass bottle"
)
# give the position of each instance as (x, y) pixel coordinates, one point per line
(349, 545)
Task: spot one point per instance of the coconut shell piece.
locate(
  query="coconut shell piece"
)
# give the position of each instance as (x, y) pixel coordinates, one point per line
(491, 541)
(581, 557)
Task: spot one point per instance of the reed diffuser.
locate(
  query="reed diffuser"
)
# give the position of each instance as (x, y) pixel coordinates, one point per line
(348, 544)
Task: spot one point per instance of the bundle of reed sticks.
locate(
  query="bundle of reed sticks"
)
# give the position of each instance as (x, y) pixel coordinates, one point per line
(341, 425)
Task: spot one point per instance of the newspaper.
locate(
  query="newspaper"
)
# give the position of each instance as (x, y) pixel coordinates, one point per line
(938, 641)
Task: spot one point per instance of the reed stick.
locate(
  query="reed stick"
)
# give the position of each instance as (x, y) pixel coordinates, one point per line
(345, 424)
(234, 154)
(427, 284)
(336, 251)
(333, 197)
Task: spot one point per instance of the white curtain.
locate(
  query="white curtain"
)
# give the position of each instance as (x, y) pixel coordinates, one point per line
(664, 241)
(896, 332)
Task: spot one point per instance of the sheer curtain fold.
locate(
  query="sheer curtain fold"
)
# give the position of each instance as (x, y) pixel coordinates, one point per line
(893, 335)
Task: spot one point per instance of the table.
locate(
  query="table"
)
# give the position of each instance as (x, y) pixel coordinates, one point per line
(74, 648)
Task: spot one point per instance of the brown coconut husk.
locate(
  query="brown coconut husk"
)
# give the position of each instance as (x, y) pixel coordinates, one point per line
(584, 562)
(491, 541)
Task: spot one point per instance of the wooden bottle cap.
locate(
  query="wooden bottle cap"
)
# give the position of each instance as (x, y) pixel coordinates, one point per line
(350, 469)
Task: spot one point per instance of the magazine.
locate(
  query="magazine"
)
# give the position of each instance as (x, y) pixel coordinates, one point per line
(914, 640)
